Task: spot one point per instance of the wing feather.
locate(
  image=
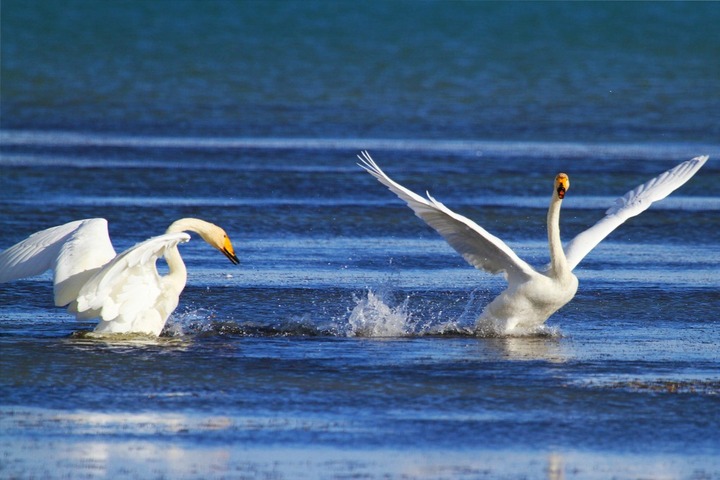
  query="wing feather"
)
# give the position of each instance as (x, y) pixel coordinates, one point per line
(476, 245)
(74, 251)
(629, 205)
(129, 284)
(38, 252)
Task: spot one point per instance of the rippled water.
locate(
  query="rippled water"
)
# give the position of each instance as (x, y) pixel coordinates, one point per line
(339, 347)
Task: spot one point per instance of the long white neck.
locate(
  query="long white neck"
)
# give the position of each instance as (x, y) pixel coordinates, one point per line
(177, 271)
(190, 225)
(212, 234)
(558, 262)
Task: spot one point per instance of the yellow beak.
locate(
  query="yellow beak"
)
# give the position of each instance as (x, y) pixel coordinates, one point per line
(229, 251)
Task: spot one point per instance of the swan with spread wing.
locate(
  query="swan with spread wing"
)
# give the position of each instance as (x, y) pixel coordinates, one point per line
(532, 296)
(124, 291)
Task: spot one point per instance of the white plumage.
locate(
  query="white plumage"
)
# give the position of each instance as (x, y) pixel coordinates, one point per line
(532, 296)
(125, 292)
(631, 204)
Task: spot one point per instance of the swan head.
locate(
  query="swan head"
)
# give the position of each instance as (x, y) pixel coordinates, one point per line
(220, 240)
(211, 233)
(562, 184)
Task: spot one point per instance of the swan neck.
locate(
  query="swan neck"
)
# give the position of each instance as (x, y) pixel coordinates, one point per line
(206, 230)
(176, 265)
(188, 225)
(558, 262)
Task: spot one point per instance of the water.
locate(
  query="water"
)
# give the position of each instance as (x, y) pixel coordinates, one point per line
(338, 348)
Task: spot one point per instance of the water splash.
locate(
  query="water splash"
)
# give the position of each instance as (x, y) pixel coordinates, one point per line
(373, 317)
(208, 322)
(374, 314)
(461, 325)
(192, 320)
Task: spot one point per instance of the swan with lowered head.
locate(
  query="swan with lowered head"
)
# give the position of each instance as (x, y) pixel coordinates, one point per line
(124, 291)
(532, 296)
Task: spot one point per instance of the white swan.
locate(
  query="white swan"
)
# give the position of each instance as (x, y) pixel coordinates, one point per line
(125, 291)
(532, 295)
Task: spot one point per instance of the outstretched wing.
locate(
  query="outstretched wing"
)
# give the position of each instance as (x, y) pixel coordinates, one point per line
(629, 205)
(74, 251)
(478, 247)
(130, 284)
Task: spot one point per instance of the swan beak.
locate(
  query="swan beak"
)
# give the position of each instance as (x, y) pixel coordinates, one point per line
(231, 256)
(230, 252)
(562, 184)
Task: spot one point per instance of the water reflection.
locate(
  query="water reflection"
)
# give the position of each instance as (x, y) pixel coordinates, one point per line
(175, 458)
(549, 349)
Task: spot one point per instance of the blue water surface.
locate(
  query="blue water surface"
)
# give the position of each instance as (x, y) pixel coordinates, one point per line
(339, 347)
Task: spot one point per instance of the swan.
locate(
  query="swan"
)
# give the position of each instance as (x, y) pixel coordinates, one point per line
(531, 296)
(124, 291)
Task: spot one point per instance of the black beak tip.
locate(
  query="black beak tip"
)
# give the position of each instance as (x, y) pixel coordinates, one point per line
(232, 257)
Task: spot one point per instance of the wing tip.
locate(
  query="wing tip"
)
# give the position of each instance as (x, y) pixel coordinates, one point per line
(368, 164)
(701, 159)
(689, 168)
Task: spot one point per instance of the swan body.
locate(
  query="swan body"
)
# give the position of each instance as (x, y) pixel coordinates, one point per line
(124, 291)
(532, 296)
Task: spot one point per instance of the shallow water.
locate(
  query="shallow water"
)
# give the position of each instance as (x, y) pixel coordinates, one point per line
(339, 348)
